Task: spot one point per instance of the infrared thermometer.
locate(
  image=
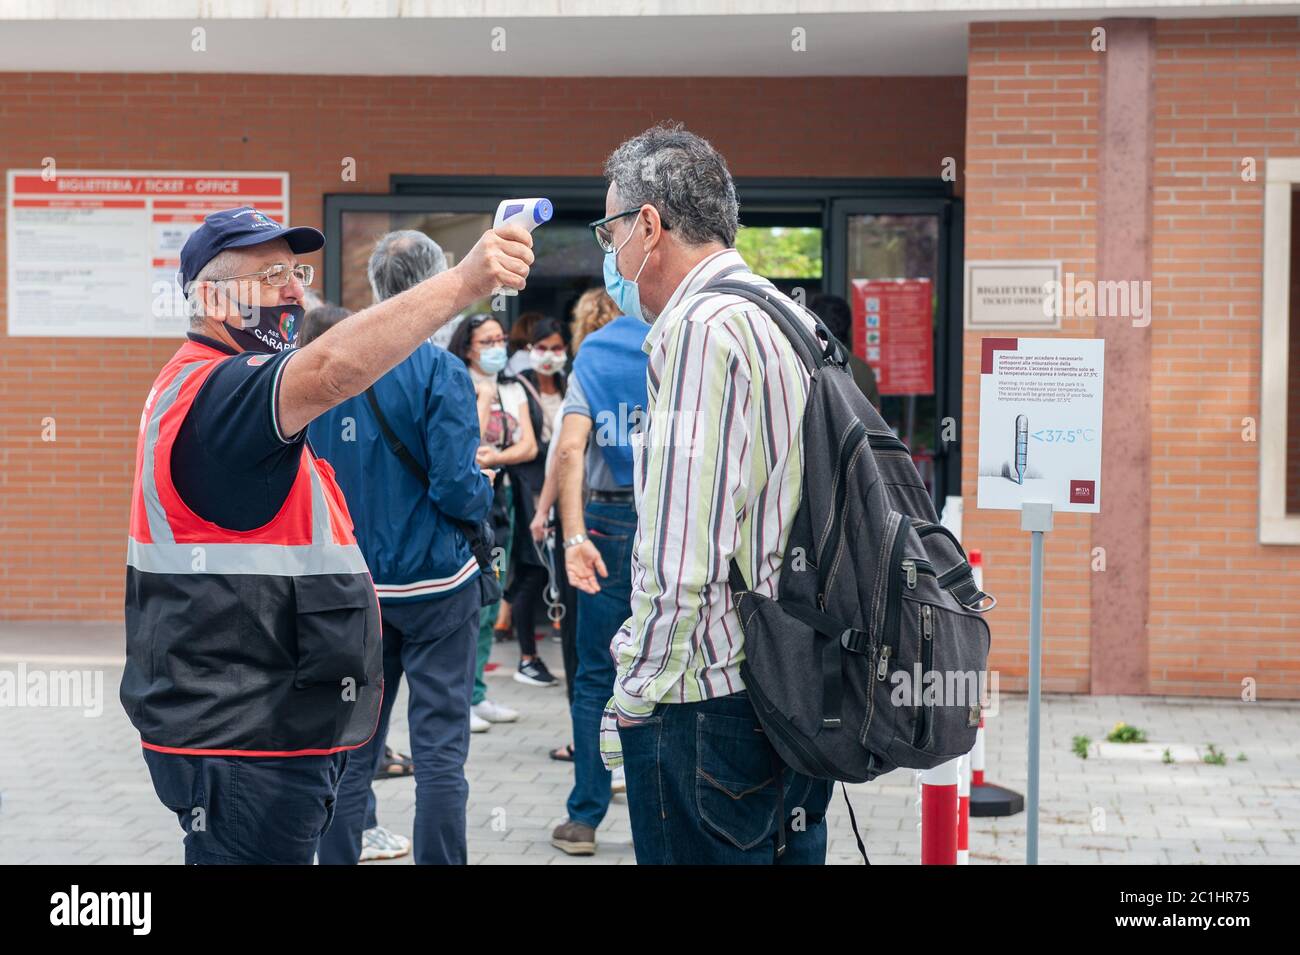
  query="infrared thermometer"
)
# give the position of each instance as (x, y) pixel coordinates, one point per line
(529, 213)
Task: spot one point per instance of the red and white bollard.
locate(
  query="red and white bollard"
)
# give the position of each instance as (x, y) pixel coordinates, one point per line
(939, 813)
(963, 810)
(987, 799)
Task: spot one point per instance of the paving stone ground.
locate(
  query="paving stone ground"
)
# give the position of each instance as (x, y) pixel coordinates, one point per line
(73, 788)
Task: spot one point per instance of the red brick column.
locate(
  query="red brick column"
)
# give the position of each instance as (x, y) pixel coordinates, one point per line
(1126, 167)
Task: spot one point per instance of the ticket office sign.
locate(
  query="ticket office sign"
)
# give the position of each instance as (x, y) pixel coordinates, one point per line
(94, 254)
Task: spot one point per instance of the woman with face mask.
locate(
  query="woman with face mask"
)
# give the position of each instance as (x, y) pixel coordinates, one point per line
(519, 342)
(507, 440)
(547, 358)
(544, 383)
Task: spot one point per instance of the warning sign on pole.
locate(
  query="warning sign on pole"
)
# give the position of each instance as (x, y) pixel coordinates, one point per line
(893, 331)
(94, 253)
(1040, 422)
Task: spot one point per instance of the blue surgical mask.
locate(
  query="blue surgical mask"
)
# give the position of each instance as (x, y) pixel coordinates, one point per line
(492, 360)
(625, 292)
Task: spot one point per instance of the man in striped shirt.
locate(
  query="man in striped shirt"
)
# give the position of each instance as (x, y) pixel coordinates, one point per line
(717, 474)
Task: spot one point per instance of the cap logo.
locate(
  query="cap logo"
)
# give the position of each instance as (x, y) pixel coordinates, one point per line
(260, 221)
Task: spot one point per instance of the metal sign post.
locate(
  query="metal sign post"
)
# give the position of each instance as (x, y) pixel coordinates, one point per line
(1051, 388)
(1035, 517)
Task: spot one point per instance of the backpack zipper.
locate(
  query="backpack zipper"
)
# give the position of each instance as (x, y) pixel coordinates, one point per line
(848, 453)
(913, 566)
(882, 667)
(927, 663)
(893, 592)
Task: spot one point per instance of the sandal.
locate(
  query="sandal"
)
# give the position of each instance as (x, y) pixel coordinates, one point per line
(563, 754)
(394, 765)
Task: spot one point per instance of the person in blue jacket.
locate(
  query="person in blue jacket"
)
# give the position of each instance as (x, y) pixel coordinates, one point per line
(425, 574)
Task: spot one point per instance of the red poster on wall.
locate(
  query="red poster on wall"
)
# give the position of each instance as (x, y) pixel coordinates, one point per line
(894, 334)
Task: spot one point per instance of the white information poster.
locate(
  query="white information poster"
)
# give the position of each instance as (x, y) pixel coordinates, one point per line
(94, 253)
(1040, 422)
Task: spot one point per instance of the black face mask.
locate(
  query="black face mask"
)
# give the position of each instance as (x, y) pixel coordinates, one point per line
(270, 329)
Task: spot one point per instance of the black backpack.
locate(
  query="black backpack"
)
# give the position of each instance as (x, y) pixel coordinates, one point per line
(873, 594)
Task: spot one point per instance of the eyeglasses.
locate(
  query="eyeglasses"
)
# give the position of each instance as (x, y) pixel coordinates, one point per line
(277, 276)
(490, 342)
(605, 238)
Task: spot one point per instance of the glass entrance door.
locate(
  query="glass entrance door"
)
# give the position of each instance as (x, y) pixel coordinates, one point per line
(893, 259)
(891, 248)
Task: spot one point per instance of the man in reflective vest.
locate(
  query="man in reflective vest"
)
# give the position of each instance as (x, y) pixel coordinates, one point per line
(252, 627)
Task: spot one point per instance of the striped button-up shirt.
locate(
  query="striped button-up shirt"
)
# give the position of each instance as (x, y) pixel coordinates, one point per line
(717, 475)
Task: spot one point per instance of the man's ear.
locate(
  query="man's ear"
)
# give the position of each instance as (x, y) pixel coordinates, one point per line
(652, 228)
(210, 300)
(219, 299)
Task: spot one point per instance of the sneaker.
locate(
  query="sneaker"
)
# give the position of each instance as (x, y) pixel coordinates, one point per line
(379, 843)
(477, 724)
(534, 673)
(494, 712)
(575, 839)
(617, 781)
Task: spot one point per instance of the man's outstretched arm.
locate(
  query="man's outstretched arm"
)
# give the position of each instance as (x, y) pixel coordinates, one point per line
(356, 353)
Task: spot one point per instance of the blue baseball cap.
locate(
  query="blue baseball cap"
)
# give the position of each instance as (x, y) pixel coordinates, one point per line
(234, 229)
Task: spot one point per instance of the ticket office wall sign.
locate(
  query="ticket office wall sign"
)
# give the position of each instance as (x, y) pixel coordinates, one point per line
(1040, 422)
(1011, 294)
(94, 253)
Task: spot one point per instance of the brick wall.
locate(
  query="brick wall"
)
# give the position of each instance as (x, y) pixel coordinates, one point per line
(1031, 181)
(1222, 607)
(64, 504)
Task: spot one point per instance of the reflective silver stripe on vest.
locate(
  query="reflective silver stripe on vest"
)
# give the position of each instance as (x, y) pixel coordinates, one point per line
(165, 556)
(272, 560)
(320, 512)
(159, 529)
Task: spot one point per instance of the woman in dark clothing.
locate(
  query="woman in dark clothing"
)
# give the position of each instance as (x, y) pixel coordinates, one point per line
(544, 383)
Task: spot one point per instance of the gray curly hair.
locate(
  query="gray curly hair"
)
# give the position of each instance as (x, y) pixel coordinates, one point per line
(683, 177)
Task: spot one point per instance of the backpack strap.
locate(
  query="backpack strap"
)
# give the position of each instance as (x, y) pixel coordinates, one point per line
(806, 345)
(853, 821)
(479, 544)
(395, 443)
(959, 580)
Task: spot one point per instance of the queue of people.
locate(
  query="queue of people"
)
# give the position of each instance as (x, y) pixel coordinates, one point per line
(380, 472)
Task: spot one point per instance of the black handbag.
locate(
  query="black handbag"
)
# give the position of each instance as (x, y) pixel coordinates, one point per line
(480, 536)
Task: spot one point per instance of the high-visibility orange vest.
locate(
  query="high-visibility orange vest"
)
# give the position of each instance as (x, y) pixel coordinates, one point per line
(244, 643)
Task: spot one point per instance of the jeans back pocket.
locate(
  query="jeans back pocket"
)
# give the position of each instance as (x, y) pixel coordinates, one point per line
(735, 779)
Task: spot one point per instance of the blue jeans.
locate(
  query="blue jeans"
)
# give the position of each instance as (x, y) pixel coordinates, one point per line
(701, 790)
(610, 527)
(432, 642)
(247, 810)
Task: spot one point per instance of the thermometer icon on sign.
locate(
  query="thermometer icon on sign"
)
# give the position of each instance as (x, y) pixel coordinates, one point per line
(1022, 447)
